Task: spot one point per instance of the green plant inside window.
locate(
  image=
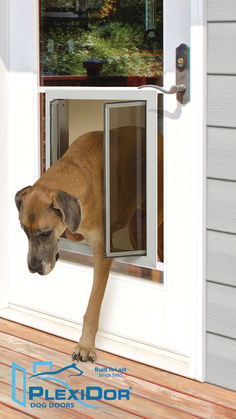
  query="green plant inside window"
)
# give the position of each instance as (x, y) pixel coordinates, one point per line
(116, 32)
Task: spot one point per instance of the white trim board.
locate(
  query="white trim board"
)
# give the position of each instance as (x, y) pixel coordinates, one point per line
(158, 357)
(197, 343)
(4, 132)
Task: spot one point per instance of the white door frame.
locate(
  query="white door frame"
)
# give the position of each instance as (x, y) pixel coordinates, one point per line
(21, 73)
(4, 219)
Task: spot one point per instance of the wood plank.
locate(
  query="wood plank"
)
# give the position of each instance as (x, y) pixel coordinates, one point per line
(221, 153)
(221, 310)
(138, 403)
(221, 10)
(57, 413)
(144, 389)
(221, 101)
(221, 361)
(26, 362)
(221, 258)
(126, 408)
(8, 412)
(221, 43)
(75, 383)
(153, 375)
(221, 205)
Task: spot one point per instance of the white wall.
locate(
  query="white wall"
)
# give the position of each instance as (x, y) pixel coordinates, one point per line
(87, 115)
(22, 161)
(84, 116)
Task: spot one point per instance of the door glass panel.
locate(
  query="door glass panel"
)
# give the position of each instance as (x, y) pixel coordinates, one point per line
(125, 180)
(101, 43)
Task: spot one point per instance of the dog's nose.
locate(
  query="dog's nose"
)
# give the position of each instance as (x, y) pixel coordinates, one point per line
(35, 265)
(57, 256)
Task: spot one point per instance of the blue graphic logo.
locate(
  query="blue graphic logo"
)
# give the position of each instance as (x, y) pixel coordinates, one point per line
(61, 397)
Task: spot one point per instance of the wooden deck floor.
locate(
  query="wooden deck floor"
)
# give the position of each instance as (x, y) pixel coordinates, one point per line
(154, 393)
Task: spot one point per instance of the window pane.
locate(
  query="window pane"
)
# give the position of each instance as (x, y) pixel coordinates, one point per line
(101, 43)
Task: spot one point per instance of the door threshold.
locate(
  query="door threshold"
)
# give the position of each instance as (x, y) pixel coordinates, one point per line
(118, 345)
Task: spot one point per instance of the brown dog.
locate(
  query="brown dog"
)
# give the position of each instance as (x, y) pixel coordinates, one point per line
(68, 199)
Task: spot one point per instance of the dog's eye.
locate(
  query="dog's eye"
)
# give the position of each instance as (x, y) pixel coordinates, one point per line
(46, 233)
(58, 212)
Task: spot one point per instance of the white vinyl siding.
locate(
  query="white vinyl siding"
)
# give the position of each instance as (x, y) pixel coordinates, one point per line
(221, 194)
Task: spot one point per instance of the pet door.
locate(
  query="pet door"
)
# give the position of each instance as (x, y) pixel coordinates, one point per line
(128, 119)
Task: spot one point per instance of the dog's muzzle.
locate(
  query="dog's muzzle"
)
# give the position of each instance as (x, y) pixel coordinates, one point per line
(35, 265)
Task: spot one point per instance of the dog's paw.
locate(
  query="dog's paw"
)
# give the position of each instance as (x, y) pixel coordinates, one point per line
(83, 353)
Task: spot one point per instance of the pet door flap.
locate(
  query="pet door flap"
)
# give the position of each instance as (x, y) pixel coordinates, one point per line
(125, 178)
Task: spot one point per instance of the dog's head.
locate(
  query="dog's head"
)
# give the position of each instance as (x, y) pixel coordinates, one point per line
(44, 216)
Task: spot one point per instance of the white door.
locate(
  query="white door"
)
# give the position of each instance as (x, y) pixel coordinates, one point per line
(152, 322)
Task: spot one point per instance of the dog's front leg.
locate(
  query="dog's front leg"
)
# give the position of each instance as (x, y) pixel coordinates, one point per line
(85, 349)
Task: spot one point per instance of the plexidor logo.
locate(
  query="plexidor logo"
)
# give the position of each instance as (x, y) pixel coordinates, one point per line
(60, 397)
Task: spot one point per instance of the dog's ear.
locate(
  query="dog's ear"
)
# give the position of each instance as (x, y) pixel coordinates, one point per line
(18, 196)
(70, 209)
